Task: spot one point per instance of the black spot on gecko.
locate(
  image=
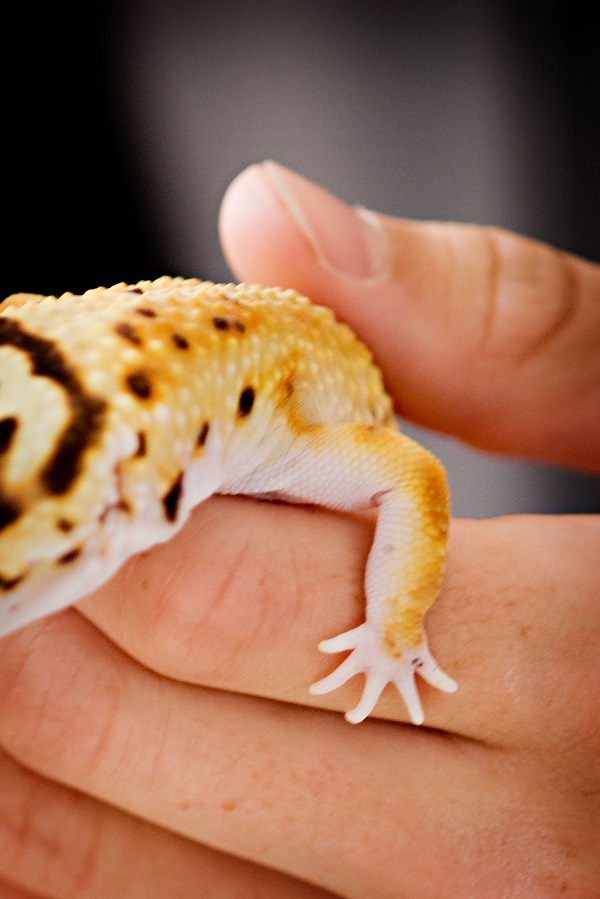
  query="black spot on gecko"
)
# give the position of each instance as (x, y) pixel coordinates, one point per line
(87, 411)
(9, 583)
(64, 525)
(180, 341)
(9, 512)
(142, 445)
(228, 324)
(203, 434)
(147, 313)
(8, 426)
(246, 402)
(171, 499)
(128, 332)
(70, 556)
(135, 290)
(139, 384)
(65, 465)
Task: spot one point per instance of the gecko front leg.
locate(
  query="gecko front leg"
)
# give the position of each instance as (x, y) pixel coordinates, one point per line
(356, 466)
(403, 578)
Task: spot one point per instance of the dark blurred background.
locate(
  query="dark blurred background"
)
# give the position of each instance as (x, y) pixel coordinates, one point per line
(124, 123)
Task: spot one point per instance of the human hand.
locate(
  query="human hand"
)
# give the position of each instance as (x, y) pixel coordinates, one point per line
(141, 734)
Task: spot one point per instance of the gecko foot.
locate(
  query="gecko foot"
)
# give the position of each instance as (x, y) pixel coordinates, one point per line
(380, 669)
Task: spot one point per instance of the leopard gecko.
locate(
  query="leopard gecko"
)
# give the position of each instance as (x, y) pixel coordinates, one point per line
(123, 408)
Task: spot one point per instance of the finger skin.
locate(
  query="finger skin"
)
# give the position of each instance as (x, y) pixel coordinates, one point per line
(57, 842)
(270, 783)
(357, 811)
(481, 333)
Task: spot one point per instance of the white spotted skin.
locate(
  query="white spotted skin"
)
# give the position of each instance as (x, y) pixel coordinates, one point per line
(123, 408)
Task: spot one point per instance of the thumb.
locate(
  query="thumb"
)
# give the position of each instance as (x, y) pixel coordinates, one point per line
(480, 333)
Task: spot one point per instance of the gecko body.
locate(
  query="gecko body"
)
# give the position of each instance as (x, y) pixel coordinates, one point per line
(123, 408)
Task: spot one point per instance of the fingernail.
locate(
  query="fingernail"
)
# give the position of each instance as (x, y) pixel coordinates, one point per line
(347, 239)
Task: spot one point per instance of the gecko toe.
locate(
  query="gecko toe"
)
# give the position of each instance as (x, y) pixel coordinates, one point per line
(375, 683)
(424, 663)
(347, 640)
